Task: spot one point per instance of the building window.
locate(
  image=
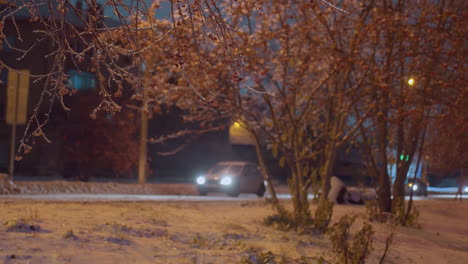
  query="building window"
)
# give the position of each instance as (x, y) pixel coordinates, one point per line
(8, 43)
(79, 5)
(3, 77)
(81, 81)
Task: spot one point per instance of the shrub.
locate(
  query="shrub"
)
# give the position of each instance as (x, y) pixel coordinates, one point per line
(198, 241)
(373, 212)
(323, 215)
(69, 234)
(260, 258)
(401, 216)
(412, 218)
(271, 258)
(345, 248)
(282, 220)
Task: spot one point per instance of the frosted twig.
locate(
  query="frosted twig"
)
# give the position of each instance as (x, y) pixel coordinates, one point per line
(334, 6)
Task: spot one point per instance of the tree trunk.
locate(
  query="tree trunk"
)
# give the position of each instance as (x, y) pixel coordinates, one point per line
(401, 170)
(327, 171)
(300, 203)
(266, 176)
(399, 185)
(383, 193)
(418, 163)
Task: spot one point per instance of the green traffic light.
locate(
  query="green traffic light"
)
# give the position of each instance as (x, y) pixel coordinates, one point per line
(404, 157)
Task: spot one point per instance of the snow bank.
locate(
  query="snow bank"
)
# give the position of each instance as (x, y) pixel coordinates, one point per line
(7, 186)
(61, 186)
(340, 193)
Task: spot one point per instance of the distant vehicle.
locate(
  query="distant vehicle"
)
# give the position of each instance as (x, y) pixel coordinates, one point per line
(419, 187)
(232, 178)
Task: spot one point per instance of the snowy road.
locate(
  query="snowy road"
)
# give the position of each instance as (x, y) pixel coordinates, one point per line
(161, 198)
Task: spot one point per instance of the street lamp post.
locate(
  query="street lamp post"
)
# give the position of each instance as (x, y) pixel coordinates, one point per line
(143, 144)
(143, 157)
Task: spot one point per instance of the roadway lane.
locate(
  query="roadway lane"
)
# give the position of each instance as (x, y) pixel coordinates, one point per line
(164, 198)
(125, 197)
(135, 197)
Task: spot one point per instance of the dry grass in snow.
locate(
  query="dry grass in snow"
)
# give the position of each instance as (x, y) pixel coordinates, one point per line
(190, 232)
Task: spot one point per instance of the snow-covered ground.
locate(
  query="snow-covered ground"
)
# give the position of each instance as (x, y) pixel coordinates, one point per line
(119, 228)
(194, 232)
(442, 189)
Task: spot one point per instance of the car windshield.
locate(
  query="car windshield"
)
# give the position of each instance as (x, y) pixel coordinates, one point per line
(225, 168)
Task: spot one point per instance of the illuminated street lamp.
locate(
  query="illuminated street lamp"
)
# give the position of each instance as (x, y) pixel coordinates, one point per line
(240, 135)
(411, 82)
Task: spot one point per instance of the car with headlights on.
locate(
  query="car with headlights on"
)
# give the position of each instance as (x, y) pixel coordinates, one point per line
(418, 185)
(232, 178)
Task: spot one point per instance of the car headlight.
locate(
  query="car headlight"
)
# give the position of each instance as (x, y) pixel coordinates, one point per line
(415, 187)
(226, 180)
(201, 180)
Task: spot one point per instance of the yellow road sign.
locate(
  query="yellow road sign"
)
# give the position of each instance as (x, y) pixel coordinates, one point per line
(17, 96)
(6, 2)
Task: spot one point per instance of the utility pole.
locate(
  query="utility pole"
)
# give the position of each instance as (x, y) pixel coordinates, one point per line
(143, 157)
(143, 144)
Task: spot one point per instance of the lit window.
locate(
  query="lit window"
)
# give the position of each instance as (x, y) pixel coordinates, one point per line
(82, 80)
